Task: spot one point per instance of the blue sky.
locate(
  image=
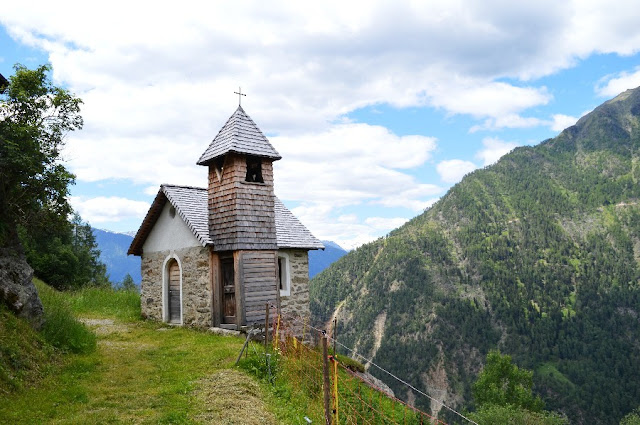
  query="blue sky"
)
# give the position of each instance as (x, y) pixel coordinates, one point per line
(377, 110)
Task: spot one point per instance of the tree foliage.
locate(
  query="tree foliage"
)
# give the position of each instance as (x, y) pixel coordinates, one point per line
(35, 115)
(128, 284)
(503, 383)
(632, 418)
(492, 414)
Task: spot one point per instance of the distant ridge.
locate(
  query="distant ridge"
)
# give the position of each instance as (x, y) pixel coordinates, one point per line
(113, 253)
(321, 259)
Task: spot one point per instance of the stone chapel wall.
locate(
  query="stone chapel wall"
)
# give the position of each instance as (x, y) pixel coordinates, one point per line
(196, 288)
(297, 304)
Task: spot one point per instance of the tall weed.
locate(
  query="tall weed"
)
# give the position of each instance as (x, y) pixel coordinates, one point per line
(61, 329)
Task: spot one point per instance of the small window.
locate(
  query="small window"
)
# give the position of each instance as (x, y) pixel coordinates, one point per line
(172, 212)
(254, 170)
(285, 277)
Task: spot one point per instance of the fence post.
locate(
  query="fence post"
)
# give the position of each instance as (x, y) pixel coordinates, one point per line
(266, 330)
(325, 383)
(276, 336)
(335, 335)
(336, 415)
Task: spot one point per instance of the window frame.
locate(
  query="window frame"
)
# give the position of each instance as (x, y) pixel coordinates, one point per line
(284, 273)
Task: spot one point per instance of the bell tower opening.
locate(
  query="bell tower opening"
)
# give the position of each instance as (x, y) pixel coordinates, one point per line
(254, 170)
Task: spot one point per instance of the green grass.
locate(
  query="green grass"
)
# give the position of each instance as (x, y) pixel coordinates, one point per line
(295, 391)
(149, 372)
(60, 328)
(103, 302)
(25, 356)
(140, 372)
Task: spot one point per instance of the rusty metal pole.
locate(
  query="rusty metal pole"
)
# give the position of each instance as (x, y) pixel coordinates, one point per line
(325, 383)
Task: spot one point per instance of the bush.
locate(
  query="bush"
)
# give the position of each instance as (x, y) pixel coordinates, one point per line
(61, 329)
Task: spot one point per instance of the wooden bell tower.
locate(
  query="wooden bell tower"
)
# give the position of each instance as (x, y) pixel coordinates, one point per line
(244, 257)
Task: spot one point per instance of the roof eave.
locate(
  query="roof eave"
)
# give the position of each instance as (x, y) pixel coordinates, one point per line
(208, 161)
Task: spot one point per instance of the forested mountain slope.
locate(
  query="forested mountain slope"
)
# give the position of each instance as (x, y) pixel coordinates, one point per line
(537, 255)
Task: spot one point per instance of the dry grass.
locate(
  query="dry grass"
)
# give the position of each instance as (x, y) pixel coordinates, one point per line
(231, 391)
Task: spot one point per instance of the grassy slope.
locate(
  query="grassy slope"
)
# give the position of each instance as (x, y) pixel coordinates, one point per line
(140, 372)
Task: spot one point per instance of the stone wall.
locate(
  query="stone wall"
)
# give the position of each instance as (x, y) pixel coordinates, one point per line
(196, 286)
(297, 304)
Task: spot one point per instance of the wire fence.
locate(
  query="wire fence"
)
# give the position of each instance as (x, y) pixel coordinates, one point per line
(331, 386)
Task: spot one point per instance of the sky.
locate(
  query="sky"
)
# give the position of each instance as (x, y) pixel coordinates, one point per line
(377, 108)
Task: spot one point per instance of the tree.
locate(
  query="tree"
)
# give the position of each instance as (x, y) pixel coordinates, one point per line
(632, 418)
(502, 383)
(34, 118)
(67, 257)
(128, 284)
(503, 395)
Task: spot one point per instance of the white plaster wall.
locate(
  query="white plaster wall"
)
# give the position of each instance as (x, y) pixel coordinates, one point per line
(169, 233)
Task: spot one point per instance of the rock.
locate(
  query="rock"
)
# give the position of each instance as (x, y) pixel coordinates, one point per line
(17, 290)
(376, 383)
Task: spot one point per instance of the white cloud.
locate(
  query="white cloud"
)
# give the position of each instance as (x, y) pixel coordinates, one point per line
(347, 230)
(385, 224)
(494, 149)
(508, 121)
(559, 122)
(613, 85)
(498, 100)
(306, 66)
(157, 83)
(108, 209)
(353, 163)
(452, 171)
(152, 190)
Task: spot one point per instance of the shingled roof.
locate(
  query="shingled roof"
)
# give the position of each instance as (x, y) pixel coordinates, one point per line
(290, 233)
(191, 205)
(240, 135)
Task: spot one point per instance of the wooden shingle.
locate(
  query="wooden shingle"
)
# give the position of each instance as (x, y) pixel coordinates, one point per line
(239, 135)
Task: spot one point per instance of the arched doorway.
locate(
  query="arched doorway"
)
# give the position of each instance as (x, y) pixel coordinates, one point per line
(174, 292)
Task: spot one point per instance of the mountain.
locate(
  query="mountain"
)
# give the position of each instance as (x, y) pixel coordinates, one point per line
(321, 259)
(113, 253)
(537, 255)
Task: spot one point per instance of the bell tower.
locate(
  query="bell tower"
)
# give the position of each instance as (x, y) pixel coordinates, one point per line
(242, 222)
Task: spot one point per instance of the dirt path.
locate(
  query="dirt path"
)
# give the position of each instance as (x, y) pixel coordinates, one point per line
(146, 373)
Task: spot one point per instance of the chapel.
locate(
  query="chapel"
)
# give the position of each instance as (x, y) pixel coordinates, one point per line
(215, 256)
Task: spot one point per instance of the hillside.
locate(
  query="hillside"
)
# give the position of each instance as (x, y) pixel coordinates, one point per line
(538, 255)
(113, 253)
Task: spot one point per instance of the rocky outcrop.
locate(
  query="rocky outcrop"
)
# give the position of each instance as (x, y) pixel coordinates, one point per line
(17, 290)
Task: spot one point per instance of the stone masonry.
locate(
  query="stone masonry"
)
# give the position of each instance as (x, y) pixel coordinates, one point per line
(297, 304)
(196, 289)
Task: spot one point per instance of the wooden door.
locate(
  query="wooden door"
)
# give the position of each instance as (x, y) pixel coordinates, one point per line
(228, 292)
(174, 292)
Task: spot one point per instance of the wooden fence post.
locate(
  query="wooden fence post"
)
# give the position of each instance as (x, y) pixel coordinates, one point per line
(266, 330)
(335, 335)
(325, 383)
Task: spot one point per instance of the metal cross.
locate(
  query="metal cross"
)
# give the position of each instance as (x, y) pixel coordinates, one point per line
(240, 94)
